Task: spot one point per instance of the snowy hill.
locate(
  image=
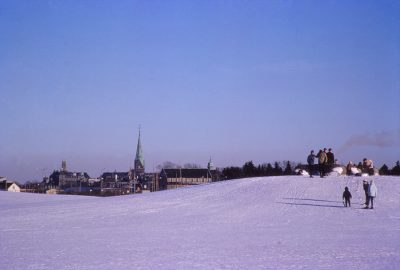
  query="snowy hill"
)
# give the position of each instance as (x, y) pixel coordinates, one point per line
(257, 223)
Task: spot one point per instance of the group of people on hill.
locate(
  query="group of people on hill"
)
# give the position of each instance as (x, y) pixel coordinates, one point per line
(324, 160)
(366, 166)
(370, 190)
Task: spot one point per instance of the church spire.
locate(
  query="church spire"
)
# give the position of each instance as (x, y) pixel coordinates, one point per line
(210, 165)
(139, 160)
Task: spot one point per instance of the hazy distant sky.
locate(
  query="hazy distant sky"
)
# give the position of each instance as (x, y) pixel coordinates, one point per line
(231, 80)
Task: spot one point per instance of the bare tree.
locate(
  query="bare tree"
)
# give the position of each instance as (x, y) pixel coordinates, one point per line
(168, 165)
(191, 166)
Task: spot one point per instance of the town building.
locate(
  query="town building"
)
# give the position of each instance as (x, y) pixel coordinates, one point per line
(176, 178)
(115, 179)
(139, 167)
(136, 180)
(68, 181)
(8, 185)
(140, 180)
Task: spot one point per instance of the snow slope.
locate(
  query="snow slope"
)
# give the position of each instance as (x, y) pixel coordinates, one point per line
(257, 223)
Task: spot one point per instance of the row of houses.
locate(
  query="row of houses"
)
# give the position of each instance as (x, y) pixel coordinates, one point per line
(175, 178)
(135, 180)
(116, 183)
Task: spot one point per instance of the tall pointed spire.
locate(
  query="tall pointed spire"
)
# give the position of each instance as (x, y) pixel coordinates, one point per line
(139, 159)
(210, 165)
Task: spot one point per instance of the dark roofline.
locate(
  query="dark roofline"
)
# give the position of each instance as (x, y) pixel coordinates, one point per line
(5, 184)
(186, 173)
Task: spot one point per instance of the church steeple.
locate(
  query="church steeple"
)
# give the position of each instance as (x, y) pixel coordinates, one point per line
(210, 165)
(139, 159)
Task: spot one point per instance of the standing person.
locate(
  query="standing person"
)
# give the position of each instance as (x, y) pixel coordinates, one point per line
(368, 166)
(322, 159)
(349, 168)
(310, 161)
(325, 162)
(319, 162)
(346, 197)
(372, 192)
(366, 188)
(330, 156)
(360, 166)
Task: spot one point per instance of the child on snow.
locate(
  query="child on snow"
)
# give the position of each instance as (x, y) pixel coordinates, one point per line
(366, 189)
(346, 197)
(372, 192)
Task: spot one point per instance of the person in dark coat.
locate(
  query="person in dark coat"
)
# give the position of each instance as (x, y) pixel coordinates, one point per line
(322, 159)
(366, 188)
(310, 162)
(330, 156)
(346, 197)
(360, 166)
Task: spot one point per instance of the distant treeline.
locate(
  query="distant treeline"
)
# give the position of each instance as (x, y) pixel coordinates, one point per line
(266, 169)
(282, 168)
(384, 170)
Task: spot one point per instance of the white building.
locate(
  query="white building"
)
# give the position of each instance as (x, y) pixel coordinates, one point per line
(8, 185)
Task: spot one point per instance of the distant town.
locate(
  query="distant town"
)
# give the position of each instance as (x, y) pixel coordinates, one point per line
(136, 180)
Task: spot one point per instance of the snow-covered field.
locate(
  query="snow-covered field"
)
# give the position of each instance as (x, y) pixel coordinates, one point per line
(257, 223)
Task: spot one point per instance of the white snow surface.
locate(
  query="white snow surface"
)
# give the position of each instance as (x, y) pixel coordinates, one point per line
(293, 222)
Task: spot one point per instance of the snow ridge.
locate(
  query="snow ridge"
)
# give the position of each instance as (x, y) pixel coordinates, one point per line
(291, 222)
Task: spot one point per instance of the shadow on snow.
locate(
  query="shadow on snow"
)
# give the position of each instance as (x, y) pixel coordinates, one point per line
(312, 204)
(314, 200)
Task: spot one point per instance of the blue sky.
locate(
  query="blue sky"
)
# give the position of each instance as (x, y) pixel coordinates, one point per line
(234, 80)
